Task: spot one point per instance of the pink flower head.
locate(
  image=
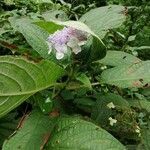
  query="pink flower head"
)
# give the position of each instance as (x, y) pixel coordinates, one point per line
(67, 37)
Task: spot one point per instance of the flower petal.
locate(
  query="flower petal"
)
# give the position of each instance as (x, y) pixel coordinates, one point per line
(76, 49)
(59, 55)
(73, 42)
(61, 48)
(49, 47)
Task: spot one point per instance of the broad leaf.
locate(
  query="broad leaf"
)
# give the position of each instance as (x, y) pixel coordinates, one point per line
(34, 133)
(116, 58)
(135, 75)
(97, 51)
(8, 125)
(73, 133)
(19, 79)
(104, 18)
(35, 36)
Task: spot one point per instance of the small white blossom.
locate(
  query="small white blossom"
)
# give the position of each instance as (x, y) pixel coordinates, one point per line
(103, 67)
(137, 130)
(67, 37)
(112, 121)
(47, 100)
(59, 55)
(73, 43)
(111, 105)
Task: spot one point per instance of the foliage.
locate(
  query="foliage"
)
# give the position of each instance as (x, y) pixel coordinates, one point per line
(95, 99)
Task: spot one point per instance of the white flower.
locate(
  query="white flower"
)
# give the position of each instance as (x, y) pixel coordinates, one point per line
(111, 105)
(137, 130)
(112, 121)
(59, 55)
(74, 44)
(47, 100)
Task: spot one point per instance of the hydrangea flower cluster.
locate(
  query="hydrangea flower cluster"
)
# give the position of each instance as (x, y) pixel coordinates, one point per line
(67, 37)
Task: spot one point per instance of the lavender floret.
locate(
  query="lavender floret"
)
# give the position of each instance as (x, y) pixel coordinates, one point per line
(67, 37)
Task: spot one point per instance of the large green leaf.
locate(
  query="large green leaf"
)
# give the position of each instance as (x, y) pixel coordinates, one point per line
(73, 133)
(35, 36)
(19, 79)
(8, 125)
(135, 75)
(33, 135)
(104, 18)
(116, 58)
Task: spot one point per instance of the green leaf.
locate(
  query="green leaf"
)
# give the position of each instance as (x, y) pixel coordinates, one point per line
(36, 129)
(84, 103)
(50, 27)
(45, 103)
(41, 1)
(35, 36)
(85, 80)
(101, 112)
(139, 48)
(73, 133)
(55, 15)
(116, 58)
(146, 135)
(19, 79)
(97, 51)
(8, 125)
(103, 18)
(146, 93)
(135, 75)
(141, 104)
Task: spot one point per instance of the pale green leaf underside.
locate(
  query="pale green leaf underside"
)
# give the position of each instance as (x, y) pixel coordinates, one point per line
(19, 79)
(32, 135)
(116, 58)
(73, 133)
(35, 36)
(104, 18)
(134, 75)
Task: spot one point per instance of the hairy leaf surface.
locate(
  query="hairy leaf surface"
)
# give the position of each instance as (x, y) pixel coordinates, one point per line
(19, 79)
